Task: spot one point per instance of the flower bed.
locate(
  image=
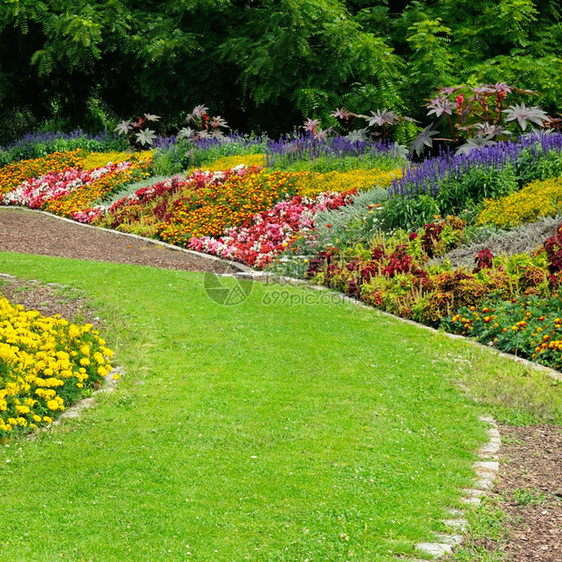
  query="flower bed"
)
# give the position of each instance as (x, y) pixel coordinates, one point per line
(13, 175)
(46, 364)
(395, 274)
(76, 202)
(452, 184)
(70, 192)
(36, 192)
(305, 147)
(528, 326)
(268, 233)
(537, 199)
(144, 211)
(212, 210)
(311, 183)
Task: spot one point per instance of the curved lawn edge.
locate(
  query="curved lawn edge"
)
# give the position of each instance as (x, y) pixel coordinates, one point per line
(486, 470)
(339, 377)
(283, 279)
(249, 272)
(83, 268)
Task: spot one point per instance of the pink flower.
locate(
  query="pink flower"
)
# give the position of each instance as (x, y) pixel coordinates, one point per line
(268, 234)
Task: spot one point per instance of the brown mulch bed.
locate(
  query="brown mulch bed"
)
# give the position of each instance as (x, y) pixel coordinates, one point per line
(530, 480)
(36, 233)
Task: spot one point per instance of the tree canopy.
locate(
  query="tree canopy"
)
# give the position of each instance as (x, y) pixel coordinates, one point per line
(264, 65)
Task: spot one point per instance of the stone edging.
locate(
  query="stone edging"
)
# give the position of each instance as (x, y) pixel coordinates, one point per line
(76, 409)
(486, 470)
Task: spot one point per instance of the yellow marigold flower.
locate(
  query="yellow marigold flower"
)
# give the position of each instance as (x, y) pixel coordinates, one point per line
(535, 200)
(94, 160)
(53, 405)
(34, 349)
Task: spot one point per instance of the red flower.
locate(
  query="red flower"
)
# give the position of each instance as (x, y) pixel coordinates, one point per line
(460, 100)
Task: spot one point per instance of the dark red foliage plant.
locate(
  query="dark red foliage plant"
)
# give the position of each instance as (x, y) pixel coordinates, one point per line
(553, 248)
(484, 260)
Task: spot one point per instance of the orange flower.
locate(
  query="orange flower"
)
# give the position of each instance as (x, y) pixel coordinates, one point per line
(16, 173)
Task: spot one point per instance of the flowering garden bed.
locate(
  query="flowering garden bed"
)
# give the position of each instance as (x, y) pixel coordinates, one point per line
(46, 364)
(341, 424)
(373, 233)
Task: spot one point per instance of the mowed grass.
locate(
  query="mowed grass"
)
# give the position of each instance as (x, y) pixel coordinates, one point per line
(288, 428)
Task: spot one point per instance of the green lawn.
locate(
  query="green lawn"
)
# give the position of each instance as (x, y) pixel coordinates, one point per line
(285, 431)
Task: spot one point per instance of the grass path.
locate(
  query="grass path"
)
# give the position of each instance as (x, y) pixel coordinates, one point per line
(319, 431)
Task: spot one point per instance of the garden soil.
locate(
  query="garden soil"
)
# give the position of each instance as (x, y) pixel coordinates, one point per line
(529, 488)
(36, 233)
(529, 492)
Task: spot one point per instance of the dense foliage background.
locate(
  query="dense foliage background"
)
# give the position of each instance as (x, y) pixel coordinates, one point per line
(263, 65)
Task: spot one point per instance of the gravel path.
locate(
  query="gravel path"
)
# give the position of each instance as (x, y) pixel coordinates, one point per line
(32, 232)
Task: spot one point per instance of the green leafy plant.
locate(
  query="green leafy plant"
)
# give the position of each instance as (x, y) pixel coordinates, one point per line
(205, 125)
(404, 212)
(476, 116)
(383, 121)
(528, 496)
(138, 132)
(477, 183)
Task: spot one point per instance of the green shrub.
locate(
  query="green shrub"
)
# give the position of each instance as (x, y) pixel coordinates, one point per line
(409, 213)
(478, 183)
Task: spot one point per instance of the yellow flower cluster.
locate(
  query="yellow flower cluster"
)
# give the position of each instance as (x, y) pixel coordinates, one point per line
(92, 160)
(229, 162)
(45, 365)
(312, 184)
(538, 199)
